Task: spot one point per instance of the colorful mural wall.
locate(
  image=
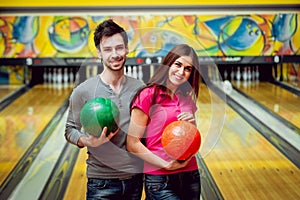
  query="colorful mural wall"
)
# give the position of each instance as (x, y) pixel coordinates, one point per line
(152, 35)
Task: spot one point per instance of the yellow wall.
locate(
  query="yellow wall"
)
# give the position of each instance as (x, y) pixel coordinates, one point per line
(33, 3)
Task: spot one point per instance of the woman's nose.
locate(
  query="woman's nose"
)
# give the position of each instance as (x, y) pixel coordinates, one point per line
(181, 70)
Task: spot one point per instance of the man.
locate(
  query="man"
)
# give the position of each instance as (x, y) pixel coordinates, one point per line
(113, 173)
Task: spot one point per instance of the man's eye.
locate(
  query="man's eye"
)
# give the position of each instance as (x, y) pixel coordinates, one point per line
(120, 48)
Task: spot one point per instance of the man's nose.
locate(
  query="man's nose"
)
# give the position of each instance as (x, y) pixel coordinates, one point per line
(114, 52)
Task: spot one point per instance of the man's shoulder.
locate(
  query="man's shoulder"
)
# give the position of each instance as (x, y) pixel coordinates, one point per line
(89, 82)
(86, 85)
(133, 82)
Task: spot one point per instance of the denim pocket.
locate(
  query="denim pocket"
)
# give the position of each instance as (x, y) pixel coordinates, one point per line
(97, 183)
(155, 183)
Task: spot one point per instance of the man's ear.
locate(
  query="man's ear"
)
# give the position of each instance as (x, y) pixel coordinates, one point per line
(99, 53)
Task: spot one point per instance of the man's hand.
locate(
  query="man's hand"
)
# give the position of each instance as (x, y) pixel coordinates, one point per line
(92, 141)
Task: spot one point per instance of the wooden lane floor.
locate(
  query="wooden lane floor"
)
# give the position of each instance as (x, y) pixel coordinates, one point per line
(6, 90)
(243, 164)
(23, 120)
(78, 178)
(279, 100)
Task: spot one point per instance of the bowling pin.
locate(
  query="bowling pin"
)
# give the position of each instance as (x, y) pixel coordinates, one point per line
(225, 74)
(59, 76)
(232, 74)
(71, 76)
(129, 71)
(134, 72)
(77, 78)
(238, 74)
(245, 76)
(87, 72)
(249, 74)
(66, 78)
(125, 70)
(95, 70)
(49, 76)
(45, 75)
(54, 76)
(140, 73)
(159, 59)
(257, 74)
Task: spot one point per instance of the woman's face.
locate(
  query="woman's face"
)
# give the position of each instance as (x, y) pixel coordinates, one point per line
(180, 71)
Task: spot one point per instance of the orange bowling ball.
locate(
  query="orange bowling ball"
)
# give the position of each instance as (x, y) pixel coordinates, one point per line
(181, 139)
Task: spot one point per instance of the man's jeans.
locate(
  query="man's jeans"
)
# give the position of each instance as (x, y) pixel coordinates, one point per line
(115, 189)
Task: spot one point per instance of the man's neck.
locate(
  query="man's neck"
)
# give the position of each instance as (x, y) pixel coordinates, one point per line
(115, 79)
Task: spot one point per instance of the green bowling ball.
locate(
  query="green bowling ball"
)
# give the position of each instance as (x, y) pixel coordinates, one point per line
(98, 113)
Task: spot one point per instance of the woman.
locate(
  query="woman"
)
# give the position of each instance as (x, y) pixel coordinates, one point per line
(169, 96)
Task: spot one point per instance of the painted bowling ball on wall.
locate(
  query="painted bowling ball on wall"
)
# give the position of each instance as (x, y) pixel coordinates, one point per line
(241, 36)
(181, 139)
(69, 34)
(98, 113)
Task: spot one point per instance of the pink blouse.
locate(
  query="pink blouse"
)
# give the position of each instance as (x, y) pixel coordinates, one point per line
(162, 110)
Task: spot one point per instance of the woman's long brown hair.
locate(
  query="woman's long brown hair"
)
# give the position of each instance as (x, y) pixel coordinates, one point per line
(160, 77)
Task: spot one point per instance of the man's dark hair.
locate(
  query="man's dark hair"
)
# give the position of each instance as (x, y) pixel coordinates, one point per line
(108, 28)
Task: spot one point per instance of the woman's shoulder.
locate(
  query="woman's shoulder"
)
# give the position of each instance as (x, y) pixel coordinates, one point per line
(152, 89)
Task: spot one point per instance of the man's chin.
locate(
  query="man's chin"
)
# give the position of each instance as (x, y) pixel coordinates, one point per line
(117, 68)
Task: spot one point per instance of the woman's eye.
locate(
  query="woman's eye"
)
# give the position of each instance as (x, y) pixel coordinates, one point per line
(188, 69)
(178, 64)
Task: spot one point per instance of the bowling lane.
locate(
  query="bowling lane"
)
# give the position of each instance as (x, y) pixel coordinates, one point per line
(78, 178)
(279, 100)
(6, 90)
(243, 164)
(23, 121)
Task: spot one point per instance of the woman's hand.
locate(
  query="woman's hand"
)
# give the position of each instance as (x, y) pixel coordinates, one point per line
(186, 116)
(92, 141)
(175, 164)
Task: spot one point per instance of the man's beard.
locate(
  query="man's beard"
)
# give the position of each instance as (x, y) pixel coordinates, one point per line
(120, 67)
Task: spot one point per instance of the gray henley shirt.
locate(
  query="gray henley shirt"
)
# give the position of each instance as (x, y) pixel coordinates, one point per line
(110, 160)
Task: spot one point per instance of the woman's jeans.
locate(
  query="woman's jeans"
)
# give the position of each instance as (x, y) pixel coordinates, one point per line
(180, 186)
(115, 189)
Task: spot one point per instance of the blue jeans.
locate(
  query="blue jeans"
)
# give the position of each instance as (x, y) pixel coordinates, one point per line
(117, 189)
(178, 186)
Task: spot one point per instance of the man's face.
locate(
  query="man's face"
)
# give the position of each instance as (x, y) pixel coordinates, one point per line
(113, 52)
